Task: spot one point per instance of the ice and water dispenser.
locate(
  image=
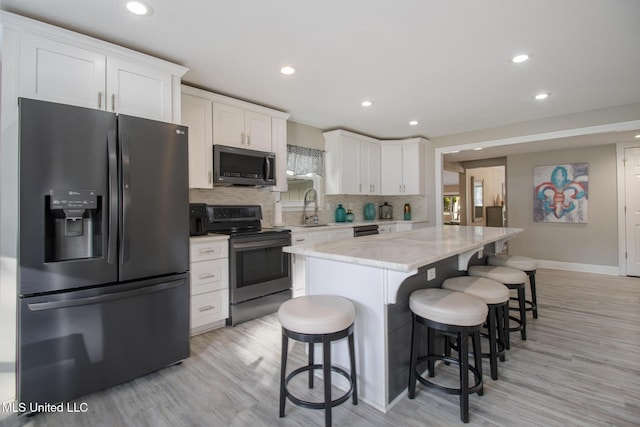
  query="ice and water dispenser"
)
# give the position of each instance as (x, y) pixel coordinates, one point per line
(73, 223)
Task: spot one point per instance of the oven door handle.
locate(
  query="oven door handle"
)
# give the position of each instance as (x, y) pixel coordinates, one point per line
(261, 244)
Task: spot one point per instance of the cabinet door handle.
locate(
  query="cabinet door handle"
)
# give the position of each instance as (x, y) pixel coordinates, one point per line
(249, 139)
(241, 138)
(207, 251)
(99, 100)
(404, 188)
(206, 308)
(300, 240)
(209, 176)
(206, 276)
(359, 188)
(400, 188)
(113, 102)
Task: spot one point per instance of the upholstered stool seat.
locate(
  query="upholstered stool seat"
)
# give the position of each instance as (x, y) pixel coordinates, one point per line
(526, 264)
(496, 296)
(318, 319)
(452, 314)
(512, 279)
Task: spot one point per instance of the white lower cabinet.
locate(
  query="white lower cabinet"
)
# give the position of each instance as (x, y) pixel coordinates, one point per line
(299, 272)
(209, 264)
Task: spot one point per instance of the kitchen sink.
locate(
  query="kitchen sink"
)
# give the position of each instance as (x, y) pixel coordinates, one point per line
(313, 225)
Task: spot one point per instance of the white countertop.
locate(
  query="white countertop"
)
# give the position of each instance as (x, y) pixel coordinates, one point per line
(335, 225)
(408, 250)
(210, 237)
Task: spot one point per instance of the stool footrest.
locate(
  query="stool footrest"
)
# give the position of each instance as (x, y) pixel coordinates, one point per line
(475, 388)
(318, 405)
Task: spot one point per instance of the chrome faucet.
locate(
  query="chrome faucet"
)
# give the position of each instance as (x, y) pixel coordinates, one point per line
(310, 196)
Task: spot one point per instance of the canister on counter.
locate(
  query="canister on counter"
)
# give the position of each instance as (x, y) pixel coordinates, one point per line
(407, 211)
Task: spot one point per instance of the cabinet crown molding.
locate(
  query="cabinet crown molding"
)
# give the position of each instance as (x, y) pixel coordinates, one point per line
(23, 24)
(227, 100)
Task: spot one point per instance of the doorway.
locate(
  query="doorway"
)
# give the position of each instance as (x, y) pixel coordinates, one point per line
(631, 166)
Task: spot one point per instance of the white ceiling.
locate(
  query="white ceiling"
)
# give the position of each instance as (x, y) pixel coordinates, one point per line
(444, 63)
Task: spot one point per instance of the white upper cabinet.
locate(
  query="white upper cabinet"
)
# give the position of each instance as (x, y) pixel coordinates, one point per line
(237, 127)
(370, 167)
(404, 167)
(62, 66)
(279, 146)
(60, 72)
(352, 163)
(138, 90)
(197, 115)
(219, 119)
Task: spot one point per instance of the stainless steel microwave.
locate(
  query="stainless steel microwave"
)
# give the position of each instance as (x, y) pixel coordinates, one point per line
(240, 166)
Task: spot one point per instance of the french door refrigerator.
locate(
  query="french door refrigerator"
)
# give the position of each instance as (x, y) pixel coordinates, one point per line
(103, 259)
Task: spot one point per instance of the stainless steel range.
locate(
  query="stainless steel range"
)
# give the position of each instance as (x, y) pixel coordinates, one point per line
(259, 271)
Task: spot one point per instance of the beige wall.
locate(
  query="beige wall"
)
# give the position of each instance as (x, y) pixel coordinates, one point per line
(595, 243)
(304, 136)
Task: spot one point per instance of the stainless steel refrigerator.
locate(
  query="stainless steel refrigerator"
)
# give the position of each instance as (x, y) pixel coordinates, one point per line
(104, 250)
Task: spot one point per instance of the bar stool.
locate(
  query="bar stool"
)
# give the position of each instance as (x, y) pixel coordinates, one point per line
(451, 314)
(526, 264)
(317, 319)
(512, 279)
(496, 296)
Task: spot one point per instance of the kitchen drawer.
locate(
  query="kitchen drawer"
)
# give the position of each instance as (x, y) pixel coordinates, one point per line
(209, 276)
(209, 307)
(202, 249)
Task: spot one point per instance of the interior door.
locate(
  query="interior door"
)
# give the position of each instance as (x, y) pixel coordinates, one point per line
(154, 214)
(632, 186)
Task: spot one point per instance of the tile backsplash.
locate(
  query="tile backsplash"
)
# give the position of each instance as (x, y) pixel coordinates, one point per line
(265, 198)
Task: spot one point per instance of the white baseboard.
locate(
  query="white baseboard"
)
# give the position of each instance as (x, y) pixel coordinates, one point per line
(610, 270)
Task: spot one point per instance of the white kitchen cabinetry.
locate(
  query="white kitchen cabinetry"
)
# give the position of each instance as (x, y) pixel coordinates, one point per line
(62, 66)
(209, 265)
(237, 127)
(218, 119)
(279, 147)
(197, 115)
(299, 272)
(404, 170)
(352, 163)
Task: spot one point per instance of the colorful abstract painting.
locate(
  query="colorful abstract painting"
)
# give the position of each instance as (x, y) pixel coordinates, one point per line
(561, 193)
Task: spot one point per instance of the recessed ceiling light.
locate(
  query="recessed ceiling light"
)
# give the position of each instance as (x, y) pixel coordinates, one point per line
(139, 8)
(542, 96)
(413, 122)
(638, 136)
(366, 103)
(477, 149)
(288, 70)
(520, 58)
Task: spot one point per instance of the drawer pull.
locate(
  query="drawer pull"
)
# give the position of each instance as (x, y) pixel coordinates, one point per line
(206, 308)
(208, 251)
(300, 240)
(206, 276)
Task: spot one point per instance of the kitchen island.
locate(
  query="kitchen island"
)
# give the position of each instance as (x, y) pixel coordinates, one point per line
(378, 273)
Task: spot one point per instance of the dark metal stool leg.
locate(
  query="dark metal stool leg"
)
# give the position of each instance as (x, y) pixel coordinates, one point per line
(477, 356)
(505, 321)
(463, 343)
(326, 368)
(523, 313)
(414, 358)
(283, 369)
(311, 361)
(503, 333)
(352, 357)
(534, 298)
(493, 350)
(431, 345)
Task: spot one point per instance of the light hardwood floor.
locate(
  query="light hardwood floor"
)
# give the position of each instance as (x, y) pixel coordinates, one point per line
(579, 366)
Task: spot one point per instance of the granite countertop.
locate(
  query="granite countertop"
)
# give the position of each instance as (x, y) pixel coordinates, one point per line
(408, 250)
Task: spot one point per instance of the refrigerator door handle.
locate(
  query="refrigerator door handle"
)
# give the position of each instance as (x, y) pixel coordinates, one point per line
(113, 196)
(54, 305)
(126, 198)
